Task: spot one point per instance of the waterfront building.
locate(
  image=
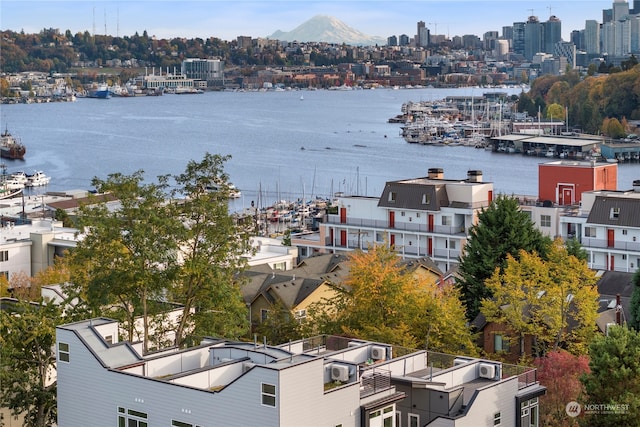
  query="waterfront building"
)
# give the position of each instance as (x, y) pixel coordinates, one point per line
(428, 216)
(320, 381)
(209, 70)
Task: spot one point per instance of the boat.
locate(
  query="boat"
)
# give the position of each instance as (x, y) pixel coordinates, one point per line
(20, 177)
(11, 147)
(37, 179)
(101, 92)
(231, 189)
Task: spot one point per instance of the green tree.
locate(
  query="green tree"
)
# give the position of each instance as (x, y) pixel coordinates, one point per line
(554, 301)
(27, 361)
(280, 326)
(502, 229)
(634, 321)
(614, 379)
(212, 250)
(126, 256)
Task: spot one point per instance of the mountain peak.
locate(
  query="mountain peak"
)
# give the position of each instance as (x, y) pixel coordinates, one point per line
(324, 28)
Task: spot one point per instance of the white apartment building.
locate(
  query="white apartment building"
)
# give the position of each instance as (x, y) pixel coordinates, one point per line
(607, 224)
(428, 216)
(324, 381)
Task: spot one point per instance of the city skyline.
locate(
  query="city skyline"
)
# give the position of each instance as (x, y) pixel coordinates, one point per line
(227, 19)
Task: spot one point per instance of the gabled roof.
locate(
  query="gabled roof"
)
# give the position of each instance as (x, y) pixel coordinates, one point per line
(615, 211)
(417, 194)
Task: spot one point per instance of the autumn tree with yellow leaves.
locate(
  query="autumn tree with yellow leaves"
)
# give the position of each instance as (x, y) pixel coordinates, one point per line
(382, 301)
(555, 301)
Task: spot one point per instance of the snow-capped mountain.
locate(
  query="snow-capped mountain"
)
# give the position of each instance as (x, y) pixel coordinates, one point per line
(323, 28)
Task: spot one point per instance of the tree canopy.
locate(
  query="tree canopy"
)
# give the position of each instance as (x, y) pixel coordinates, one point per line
(614, 379)
(146, 245)
(555, 301)
(383, 301)
(502, 229)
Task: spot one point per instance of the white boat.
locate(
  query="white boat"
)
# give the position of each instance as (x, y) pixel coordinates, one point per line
(20, 177)
(11, 184)
(38, 179)
(233, 192)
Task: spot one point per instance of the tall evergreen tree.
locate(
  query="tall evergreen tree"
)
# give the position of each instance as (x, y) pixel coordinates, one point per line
(502, 229)
(634, 322)
(612, 388)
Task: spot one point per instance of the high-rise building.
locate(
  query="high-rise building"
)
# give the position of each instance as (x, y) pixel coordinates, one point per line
(517, 43)
(507, 32)
(620, 10)
(568, 51)
(404, 40)
(636, 8)
(392, 41)
(422, 36)
(552, 33)
(592, 36)
(533, 37)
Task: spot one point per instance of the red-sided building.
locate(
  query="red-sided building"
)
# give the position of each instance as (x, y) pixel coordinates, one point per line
(562, 182)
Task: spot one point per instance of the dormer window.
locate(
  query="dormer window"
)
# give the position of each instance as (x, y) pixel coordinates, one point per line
(392, 196)
(426, 199)
(615, 213)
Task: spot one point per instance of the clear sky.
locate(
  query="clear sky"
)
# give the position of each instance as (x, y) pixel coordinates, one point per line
(227, 19)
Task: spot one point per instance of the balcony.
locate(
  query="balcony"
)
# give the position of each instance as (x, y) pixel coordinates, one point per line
(399, 226)
(374, 381)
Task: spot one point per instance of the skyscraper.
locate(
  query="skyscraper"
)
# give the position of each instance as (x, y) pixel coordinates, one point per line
(518, 38)
(592, 36)
(620, 10)
(552, 33)
(533, 37)
(422, 36)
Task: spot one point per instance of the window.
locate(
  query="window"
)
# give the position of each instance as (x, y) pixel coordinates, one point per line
(417, 214)
(392, 196)
(452, 244)
(614, 213)
(426, 199)
(176, 423)
(379, 237)
(264, 314)
(402, 213)
(500, 343)
(63, 352)
(545, 220)
(529, 413)
(414, 420)
(132, 418)
(109, 339)
(590, 232)
(624, 232)
(280, 266)
(268, 394)
(301, 314)
(446, 220)
(4, 255)
(497, 419)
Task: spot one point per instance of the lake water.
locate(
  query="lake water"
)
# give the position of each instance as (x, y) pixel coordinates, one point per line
(279, 143)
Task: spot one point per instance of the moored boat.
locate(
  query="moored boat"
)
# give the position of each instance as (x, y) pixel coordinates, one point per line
(37, 179)
(11, 147)
(100, 93)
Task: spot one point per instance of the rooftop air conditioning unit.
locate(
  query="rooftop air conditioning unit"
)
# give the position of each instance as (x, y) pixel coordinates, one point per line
(487, 370)
(339, 372)
(378, 353)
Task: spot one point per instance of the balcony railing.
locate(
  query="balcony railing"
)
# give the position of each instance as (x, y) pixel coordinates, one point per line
(617, 244)
(398, 225)
(374, 381)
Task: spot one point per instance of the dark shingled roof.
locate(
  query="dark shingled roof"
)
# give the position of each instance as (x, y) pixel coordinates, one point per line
(419, 194)
(628, 211)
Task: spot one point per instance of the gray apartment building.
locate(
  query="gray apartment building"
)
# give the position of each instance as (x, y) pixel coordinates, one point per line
(324, 381)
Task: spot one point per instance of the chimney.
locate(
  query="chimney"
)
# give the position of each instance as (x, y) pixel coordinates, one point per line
(474, 176)
(436, 173)
(636, 185)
